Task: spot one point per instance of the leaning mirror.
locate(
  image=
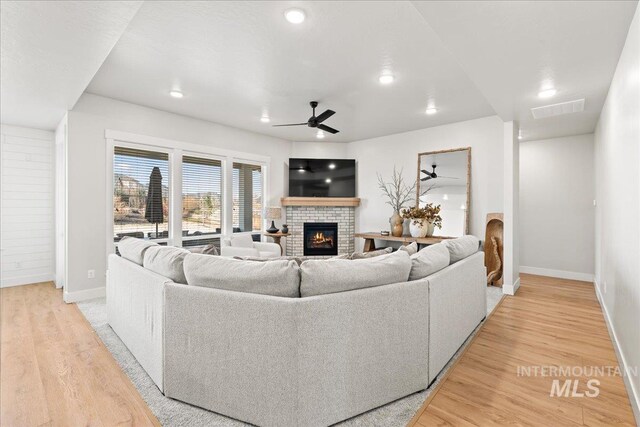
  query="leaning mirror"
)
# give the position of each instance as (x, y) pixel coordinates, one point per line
(444, 178)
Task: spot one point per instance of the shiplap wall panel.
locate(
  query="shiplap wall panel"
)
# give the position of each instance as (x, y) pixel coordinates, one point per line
(27, 207)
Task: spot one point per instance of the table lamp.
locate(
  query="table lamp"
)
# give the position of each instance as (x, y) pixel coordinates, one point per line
(273, 213)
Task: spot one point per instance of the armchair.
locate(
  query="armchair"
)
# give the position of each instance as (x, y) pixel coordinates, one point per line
(243, 245)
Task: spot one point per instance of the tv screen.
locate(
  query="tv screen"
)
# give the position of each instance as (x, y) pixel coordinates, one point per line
(322, 178)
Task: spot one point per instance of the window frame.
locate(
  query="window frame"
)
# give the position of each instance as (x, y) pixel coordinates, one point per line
(176, 150)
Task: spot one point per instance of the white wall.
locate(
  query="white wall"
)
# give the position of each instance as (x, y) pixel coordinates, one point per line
(557, 188)
(379, 155)
(86, 173)
(27, 227)
(319, 150)
(617, 160)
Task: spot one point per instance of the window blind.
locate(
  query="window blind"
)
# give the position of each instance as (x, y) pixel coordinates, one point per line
(201, 200)
(132, 185)
(247, 197)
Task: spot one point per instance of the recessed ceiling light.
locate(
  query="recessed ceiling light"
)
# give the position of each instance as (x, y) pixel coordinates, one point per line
(431, 110)
(328, 180)
(332, 165)
(463, 207)
(445, 197)
(294, 15)
(519, 134)
(176, 94)
(320, 134)
(547, 93)
(265, 119)
(386, 78)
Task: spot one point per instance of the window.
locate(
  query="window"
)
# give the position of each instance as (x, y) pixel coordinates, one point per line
(247, 198)
(201, 200)
(140, 194)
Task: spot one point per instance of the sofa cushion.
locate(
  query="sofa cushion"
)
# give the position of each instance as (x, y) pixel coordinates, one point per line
(462, 247)
(205, 250)
(371, 254)
(242, 241)
(411, 249)
(166, 261)
(133, 249)
(429, 260)
(277, 277)
(332, 275)
(297, 259)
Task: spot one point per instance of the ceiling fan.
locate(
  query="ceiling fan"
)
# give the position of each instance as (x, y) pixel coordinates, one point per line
(433, 174)
(316, 122)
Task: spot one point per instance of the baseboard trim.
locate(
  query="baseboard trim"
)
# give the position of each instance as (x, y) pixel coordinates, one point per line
(511, 289)
(26, 280)
(86, 294)
(560, 274)
(634, 395)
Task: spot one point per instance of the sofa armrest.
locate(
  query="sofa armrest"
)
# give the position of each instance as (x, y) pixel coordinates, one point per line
(224, 347)
(272, 248)
(457, 304)
(231, 251)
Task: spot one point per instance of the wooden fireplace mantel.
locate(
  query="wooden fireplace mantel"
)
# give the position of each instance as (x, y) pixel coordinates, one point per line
(320, 201)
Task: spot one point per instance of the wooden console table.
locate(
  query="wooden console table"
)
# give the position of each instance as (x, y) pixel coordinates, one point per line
(276, 238)
(370, 245)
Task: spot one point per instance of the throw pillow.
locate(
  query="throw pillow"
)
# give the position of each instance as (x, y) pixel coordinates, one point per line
(411, 248)
(332, 275)
(242, 241)
(279, 278)
(205, 250)
(167, 261)
(371, 254)
(133, 249)
(428, 261)
(462, 247)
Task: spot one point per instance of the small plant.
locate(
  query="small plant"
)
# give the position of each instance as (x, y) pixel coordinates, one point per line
(433, 215)
(415, 214)
(398, 192)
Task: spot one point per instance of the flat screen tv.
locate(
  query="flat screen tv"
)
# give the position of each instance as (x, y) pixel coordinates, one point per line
(322, 178)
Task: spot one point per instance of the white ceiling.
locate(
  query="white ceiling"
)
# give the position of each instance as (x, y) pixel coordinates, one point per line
(510, 49)
(235, 60)
(49, 53)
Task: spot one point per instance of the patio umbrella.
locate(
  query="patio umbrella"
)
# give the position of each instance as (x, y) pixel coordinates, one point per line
(153, 212)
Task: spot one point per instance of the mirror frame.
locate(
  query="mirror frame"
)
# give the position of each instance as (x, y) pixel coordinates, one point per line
(468, 150)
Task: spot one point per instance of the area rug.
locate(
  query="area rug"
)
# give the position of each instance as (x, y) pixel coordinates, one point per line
(172, 413)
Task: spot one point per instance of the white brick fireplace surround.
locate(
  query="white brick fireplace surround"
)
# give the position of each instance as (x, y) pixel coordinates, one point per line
(321, 209)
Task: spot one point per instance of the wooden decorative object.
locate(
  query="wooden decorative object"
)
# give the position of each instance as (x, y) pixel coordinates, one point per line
(493, 255)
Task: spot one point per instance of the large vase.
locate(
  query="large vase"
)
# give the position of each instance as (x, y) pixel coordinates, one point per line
(418, 227)
(396, 224)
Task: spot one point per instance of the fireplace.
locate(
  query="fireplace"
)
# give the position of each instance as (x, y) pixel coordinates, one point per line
(320, 238)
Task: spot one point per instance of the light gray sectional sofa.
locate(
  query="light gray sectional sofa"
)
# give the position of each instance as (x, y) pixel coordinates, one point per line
(340, 349)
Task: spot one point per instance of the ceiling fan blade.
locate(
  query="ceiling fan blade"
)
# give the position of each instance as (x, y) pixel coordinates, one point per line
(427, 178)
(425, 172)
(324, 116)
(327, 129)
(291, 124)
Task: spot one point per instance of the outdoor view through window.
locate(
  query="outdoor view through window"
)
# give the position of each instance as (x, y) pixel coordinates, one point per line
(141, 197)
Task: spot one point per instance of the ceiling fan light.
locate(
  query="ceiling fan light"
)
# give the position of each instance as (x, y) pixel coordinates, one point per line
(176, 94)
(320, 134)
(295, 15)
(265, 119)
(431, 110)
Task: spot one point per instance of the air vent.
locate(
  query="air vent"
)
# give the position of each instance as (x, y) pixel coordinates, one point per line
(558, 109)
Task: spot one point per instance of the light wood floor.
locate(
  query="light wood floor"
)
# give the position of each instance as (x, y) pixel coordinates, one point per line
(551, 322)
(55, 371)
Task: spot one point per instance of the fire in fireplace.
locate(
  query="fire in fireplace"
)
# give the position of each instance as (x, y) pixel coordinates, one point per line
(320, 238)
